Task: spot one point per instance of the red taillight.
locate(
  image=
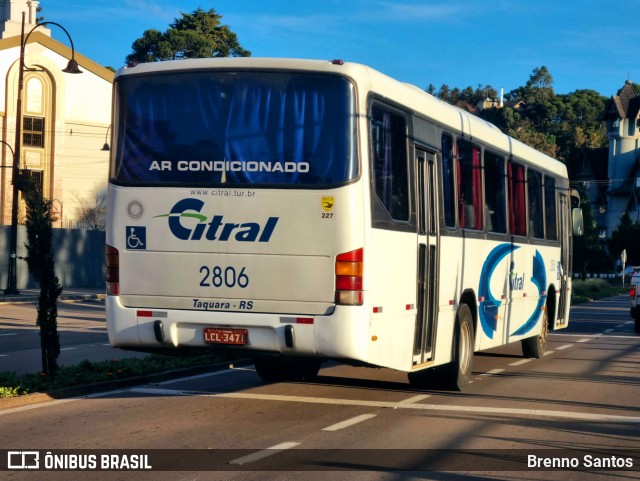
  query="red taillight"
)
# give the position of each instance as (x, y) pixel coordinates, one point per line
(113, 271)
(349, 269)
(632, 292)
(347, 283)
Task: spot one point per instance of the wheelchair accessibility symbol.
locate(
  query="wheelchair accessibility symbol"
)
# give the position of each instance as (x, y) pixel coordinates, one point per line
(136, 237)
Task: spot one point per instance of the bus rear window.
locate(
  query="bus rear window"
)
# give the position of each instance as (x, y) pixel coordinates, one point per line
(234, 128)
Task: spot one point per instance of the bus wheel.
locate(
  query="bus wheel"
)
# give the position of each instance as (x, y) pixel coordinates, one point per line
(459, 375)
(536, 346)
(277, 369)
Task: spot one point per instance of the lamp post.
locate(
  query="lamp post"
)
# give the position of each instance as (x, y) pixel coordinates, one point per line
(72, 67)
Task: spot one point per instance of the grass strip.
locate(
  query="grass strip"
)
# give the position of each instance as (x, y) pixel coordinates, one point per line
(87, 372)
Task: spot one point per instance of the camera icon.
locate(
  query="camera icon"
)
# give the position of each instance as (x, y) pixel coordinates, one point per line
(23, 460)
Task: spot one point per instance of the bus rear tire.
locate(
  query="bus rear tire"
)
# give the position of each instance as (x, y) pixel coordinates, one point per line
(279, 369)
(458, 373)
(536, 346)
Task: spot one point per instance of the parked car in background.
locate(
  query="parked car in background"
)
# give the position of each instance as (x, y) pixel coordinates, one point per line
(635, 299)
(629, 272)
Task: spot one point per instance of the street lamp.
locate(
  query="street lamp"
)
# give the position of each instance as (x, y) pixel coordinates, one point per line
(57, 210)
(72, 67)
(13, 154)
(106, 147)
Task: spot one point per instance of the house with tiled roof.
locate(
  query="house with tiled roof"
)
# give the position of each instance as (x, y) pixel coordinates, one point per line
(65, 118)
(622, 116)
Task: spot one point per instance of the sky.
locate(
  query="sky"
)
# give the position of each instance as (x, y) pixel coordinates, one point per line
(585, 44)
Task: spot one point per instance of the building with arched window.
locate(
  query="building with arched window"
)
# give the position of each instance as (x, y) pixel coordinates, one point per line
(65, 118)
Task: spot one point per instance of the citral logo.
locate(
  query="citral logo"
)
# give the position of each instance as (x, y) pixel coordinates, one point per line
(215, 229)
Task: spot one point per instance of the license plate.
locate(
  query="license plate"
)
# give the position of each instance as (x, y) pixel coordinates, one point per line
(214, 335)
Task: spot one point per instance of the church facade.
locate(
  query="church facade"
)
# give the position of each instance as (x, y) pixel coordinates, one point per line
(65, 118)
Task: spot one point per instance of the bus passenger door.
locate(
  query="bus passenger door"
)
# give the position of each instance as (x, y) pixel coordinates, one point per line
(564, 265)
(426, 275)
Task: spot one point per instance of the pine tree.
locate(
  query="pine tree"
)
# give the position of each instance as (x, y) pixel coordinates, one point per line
(196, 35)
(42, 267)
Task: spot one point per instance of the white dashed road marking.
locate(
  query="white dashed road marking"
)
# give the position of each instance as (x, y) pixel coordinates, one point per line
(416, 399)
(264, 453)
(349, 422)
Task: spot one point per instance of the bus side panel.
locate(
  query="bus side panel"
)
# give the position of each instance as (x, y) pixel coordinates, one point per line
(475, 271)
(343, 335)
(509, 284)
(493, 295)
(533, 270)
(450, 282)
(393, 260)
(530, 302)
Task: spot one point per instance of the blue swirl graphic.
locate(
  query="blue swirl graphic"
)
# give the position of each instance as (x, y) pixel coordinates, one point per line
(540, 280)
(489, 305)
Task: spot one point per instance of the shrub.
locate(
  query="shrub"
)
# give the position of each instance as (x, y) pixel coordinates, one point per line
(591, 289)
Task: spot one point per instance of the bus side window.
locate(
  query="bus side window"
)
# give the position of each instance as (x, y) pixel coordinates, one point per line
(517, 207)
(449, 194)
(495, 193)
(470, 206)
(390, 162)
(550, 207)
(536, 220)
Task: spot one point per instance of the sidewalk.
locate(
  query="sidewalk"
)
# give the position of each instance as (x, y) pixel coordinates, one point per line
(68, 294)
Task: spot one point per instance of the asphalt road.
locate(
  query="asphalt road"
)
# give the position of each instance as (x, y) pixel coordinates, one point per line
(82, 330)
(579, 403)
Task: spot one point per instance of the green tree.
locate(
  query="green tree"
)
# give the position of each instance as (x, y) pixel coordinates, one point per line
(558, 125)
(196, 35)
(444, 93)
(540, 81)
(589, 254)
(526, 132)
(578, 127)
(626, 236)
(42, 268)
(431, 89)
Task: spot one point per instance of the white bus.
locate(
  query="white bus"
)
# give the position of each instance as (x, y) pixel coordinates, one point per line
(296, 211)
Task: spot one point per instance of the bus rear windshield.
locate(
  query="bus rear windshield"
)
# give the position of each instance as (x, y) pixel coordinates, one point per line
(234, 128)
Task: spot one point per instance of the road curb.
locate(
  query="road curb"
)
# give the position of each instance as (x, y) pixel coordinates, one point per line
(80, 391)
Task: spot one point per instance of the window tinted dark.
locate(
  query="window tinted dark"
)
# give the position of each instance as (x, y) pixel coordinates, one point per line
(550, 207)
(470, 207)
(517, 206)
(495, 193)
(448, 181)
(390, 162)
(234, 128)
(536, 219)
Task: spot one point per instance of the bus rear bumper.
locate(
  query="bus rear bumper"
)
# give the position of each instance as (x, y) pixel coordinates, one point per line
(328, 336)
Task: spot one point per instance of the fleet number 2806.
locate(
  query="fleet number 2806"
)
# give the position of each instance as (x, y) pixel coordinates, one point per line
(217, 276)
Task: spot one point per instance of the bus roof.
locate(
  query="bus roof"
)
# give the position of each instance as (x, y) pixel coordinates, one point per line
(420, 102)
